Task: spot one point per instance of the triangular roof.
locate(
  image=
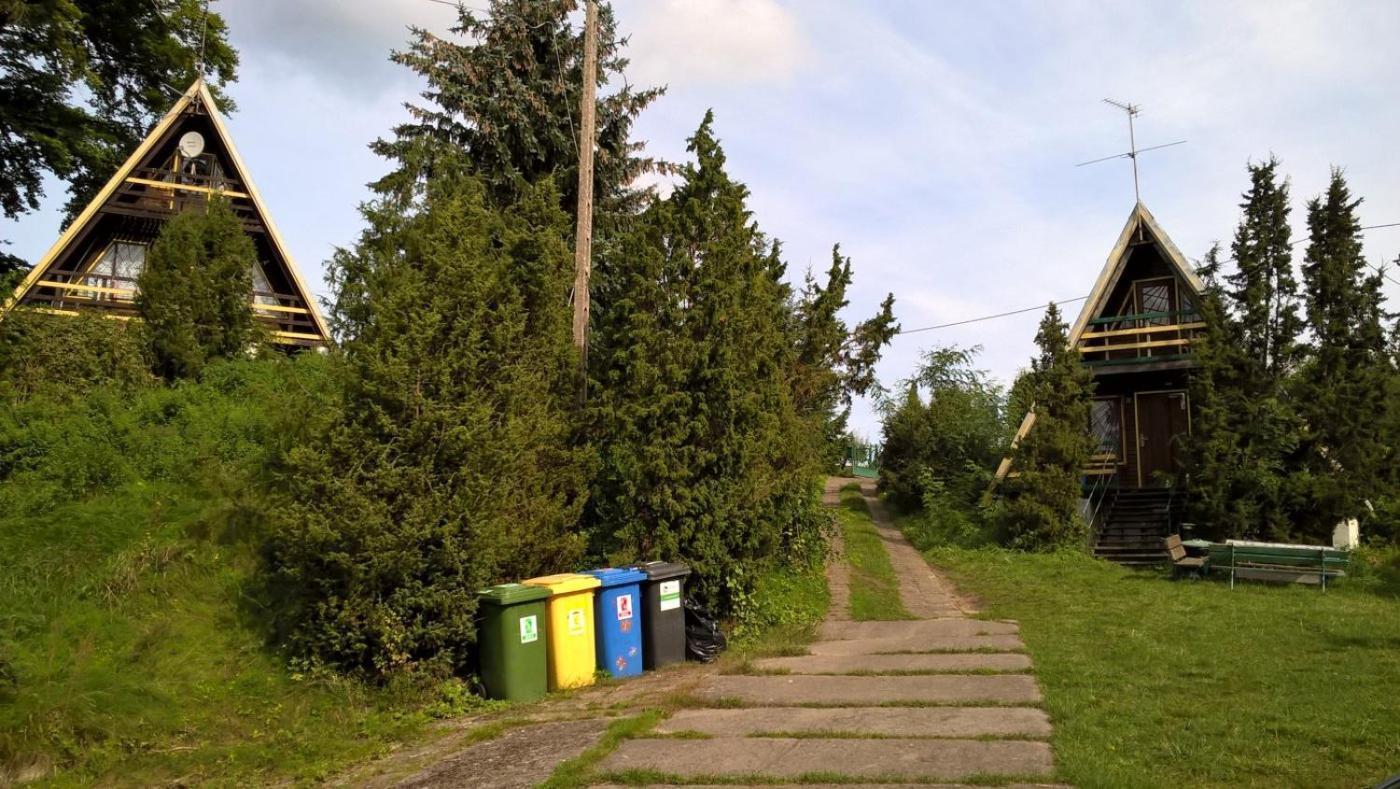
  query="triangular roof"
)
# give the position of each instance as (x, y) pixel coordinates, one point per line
(197, 97)
(1140, 222)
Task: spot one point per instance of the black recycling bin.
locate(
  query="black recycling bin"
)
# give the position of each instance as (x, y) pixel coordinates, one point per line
(663, 621)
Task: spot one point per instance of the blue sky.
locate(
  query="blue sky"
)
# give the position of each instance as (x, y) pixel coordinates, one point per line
(936, 141)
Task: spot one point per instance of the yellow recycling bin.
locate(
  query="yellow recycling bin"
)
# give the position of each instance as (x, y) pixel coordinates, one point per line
(572, 653)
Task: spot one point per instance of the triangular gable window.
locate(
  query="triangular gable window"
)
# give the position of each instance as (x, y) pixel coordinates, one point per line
(116, 269)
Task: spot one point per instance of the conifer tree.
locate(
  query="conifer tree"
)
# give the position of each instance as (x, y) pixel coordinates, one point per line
(833, 363)
(1041, 508)
(505, 90)
(1263, 289)
(1341, 389)
(704, 456)
(449, 464)
(1245, 436)
(1234, 468)
(194, 294)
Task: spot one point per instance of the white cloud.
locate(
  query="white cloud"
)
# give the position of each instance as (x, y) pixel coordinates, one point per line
(698, 41)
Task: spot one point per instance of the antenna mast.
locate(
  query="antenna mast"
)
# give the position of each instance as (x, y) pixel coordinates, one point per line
(1132, 111)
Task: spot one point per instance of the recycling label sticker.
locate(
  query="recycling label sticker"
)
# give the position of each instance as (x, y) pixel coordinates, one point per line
(578, 622)
(624, 607)
(670, 595)
(529, 629)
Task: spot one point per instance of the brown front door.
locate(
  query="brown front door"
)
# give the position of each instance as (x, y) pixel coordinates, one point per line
(1163, 423)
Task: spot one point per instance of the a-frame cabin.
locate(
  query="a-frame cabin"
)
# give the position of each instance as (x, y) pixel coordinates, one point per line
(1135, 333)
(186, 159)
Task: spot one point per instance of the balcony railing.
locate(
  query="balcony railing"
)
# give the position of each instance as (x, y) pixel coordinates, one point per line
(1139, 338)
(68, 292)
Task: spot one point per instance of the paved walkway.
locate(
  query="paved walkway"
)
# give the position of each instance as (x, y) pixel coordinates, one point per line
(943, 697)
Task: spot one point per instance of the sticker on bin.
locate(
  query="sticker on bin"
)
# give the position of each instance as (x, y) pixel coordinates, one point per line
(578, 624)
(624, 607)
(670, 595)
(529, 630)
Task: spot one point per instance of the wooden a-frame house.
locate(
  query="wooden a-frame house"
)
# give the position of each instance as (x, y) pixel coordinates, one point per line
(1135, 333)
(186, 159)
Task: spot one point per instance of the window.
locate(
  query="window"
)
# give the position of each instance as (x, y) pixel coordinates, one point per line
(117, 268)
(1106, 426)
(262, 288)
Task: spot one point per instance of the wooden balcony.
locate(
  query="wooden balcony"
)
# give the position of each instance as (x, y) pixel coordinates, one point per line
(69, 292)
(1148, 337)
(151, 193)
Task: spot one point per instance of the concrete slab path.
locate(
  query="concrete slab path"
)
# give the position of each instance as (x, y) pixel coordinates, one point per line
(943, 697)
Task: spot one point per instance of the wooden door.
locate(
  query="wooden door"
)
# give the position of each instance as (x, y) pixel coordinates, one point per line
(1163, 422)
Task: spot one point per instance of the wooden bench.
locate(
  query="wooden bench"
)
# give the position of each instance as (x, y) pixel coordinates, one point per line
(1181, 563)
(1304, 564)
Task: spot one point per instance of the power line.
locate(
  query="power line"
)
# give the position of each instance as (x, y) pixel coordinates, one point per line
(990, 317)
(1009, 313)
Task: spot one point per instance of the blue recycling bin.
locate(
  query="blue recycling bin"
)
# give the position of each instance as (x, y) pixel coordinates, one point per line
(618, 620)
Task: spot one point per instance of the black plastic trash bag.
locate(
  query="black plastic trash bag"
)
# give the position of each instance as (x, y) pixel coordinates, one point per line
(703, 638)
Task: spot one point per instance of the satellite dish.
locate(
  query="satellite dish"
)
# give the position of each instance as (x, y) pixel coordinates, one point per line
(191, 145)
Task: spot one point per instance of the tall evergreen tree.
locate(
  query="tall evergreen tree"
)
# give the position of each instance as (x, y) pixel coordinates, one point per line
(833, 362)
(506, 93)
(461, 376)
(1263, 289)
(1341, 389)
(704, 454)
(194, 294)
(1245, 436)
(1041, 508)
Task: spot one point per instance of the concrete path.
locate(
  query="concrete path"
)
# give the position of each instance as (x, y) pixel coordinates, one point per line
(943, 697)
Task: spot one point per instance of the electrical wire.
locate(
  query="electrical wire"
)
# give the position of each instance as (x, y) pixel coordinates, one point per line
(1009, 313)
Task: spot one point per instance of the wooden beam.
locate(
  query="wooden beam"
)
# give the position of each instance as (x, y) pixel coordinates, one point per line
(45, 283)
(1093, 335)
(171, 187)
(291, 335)
(280, 308)
(75, 313)
(1133, 346)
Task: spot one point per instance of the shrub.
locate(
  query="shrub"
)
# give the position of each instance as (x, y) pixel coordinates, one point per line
(65, 356)
(194, 293)
(446, 464)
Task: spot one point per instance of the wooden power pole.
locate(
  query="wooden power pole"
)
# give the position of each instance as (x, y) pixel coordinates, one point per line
(583, 241)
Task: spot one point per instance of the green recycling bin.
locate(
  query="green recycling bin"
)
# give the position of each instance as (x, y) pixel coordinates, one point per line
(511, 642)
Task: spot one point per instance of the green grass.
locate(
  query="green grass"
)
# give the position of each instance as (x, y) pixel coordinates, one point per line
(874, 585)
(578, 772)
(132, 649)
(1151, 682)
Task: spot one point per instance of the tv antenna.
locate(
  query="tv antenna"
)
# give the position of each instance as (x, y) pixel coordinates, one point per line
(1132, 111)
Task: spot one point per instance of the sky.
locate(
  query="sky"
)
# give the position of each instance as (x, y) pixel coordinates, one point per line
(936, 142)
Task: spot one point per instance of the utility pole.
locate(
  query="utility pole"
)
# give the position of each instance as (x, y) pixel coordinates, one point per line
(583, 240)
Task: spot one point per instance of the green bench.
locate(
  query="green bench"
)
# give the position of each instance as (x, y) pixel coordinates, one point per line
(1276, 562)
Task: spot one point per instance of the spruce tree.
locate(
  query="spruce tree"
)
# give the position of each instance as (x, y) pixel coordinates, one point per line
(448, 465)
(505, 90)
(1263, 289)
(1341, 388)
(195, 292)
(1041, 509)
(1245, 434)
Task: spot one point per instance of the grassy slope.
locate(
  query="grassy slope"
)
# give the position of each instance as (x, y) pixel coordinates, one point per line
(1159, 683)
(874, 585)
(125, 614)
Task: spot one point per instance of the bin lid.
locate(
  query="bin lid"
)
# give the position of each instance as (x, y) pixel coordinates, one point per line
(509, 594)
(617, 576)
(661, 571)
(564, 583)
